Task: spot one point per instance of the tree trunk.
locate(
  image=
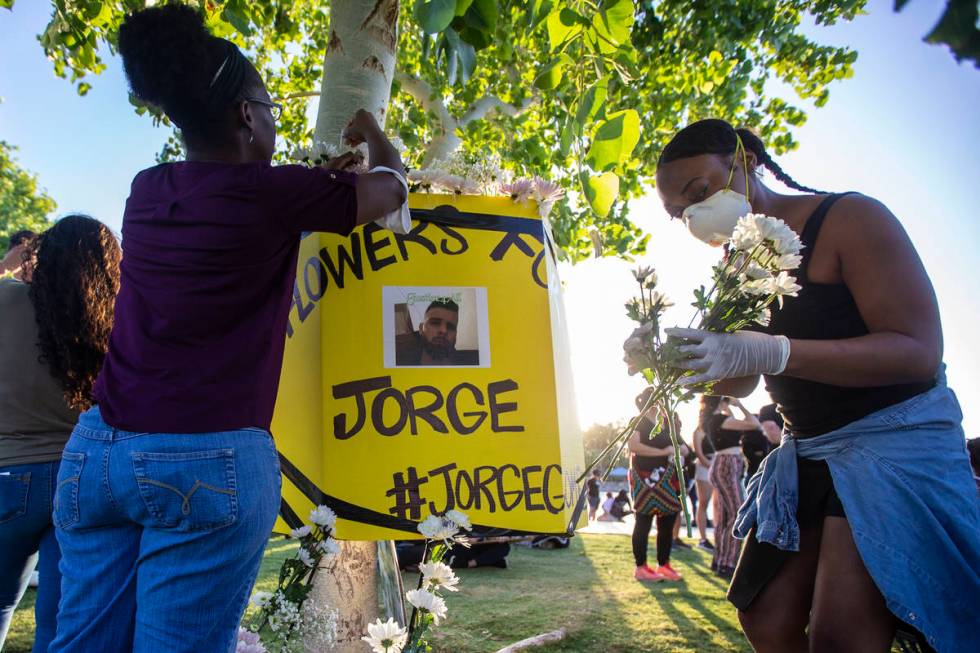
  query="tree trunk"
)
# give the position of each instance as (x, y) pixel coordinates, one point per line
(357, 73)
(359, 65)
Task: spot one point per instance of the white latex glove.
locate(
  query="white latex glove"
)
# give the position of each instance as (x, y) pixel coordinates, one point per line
(399, 220)
(717, 356)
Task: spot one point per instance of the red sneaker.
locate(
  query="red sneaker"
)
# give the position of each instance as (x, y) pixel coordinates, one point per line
(667, 572)
(646, 574)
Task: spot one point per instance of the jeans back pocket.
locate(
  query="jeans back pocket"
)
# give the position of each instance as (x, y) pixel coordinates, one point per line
(66, 494)
(14, 488)
(188, 491)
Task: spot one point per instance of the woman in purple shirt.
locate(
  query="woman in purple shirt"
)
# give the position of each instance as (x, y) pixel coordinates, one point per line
(169, 487)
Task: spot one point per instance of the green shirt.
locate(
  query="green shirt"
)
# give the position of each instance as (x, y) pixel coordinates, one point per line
(35, 421)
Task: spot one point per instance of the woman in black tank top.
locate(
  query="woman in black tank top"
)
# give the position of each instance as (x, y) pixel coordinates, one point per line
(862, 335)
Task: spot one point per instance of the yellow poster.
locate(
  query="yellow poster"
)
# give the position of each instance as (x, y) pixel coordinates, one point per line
(429, 371)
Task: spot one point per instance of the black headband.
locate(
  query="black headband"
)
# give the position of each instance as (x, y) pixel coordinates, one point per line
(228, 79)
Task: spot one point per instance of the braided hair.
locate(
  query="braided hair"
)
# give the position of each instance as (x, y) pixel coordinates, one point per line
(174, 63)
(713, 136)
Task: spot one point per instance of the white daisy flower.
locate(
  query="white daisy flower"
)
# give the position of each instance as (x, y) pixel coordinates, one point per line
(430, 526)
(746, 235)
(459, 518)
(305, 557)
(641, 274)
(323, 517)
(789, 261)
(299, 533)
(437, 528)
(755, 271)
(426, 600)
(386, 636)
(439, 576)
(261, 599)
(783, 284)
(329, 548)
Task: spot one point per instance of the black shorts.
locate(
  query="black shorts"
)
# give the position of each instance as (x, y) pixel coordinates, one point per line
(760, 561)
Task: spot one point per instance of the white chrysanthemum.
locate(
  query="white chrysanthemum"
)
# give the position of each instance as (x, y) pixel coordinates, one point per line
(323, 517)
(426, 600)
(425, 178)
(386, 636)
(439, 576)
(459, 518)
(329, 548)
(746, 236)
(756, 228)
(430, 526)
(658, 298)
(763, 317)
(305, 557)
(758, 286)
(261, 599)
(789, 261)
(437, 528)
(547, 191)
(755, 271)
(520, 190)
(783, 284)
(641, 274)
(788, 244)
(299, 533)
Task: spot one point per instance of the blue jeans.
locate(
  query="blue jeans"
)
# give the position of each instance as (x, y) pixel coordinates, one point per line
(161, 536)
(26, 531)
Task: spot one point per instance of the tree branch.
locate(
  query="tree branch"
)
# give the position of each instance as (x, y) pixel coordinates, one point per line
(447, 142)
(422, 91)
(489, 103)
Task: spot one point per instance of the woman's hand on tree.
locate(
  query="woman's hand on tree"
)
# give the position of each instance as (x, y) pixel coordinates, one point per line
(361, 127)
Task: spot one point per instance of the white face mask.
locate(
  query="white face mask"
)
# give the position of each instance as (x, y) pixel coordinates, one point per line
(713, 220)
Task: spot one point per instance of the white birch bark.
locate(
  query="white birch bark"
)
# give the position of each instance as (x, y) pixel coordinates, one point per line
(359, 65)
(357, 73)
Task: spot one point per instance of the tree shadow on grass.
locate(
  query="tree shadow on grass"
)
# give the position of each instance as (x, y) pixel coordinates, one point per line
(693, 632)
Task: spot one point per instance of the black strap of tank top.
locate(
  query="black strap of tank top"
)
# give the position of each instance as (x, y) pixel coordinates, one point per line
(812, 229)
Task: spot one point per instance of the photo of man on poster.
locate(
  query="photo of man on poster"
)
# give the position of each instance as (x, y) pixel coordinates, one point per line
(434, 343)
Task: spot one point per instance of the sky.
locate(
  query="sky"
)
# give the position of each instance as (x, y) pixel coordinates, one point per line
(904, 130)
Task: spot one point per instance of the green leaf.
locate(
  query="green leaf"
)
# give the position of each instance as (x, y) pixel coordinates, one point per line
(435, 15)
(6, 4)
(612, 24)
(562, 26)
(237, 19)
(482, 16)
(462, 6)
(566, 137)
(601, 191)
(467, 59)
(593, 102)
(615, 140)
(550, 76)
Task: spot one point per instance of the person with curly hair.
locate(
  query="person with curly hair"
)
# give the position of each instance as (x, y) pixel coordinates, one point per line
(170, 486)
(54, 332)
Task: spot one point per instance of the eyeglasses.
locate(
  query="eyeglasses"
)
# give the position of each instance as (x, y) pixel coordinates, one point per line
(274, 107)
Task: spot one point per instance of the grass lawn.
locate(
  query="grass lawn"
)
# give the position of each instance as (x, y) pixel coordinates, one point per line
(587, 588)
